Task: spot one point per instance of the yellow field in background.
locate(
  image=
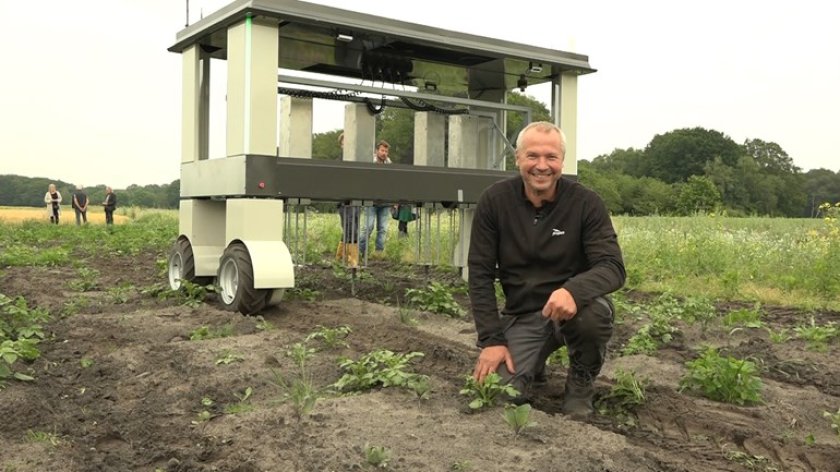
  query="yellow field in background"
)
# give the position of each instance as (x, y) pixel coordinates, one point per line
(68, 216)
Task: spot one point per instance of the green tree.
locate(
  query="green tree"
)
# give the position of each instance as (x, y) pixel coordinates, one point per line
(770, 157)
(325, 145)
(628, 161)
(677, 155)
(698, 194)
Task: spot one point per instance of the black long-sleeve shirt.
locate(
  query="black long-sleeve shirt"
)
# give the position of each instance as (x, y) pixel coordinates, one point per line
(568, 242)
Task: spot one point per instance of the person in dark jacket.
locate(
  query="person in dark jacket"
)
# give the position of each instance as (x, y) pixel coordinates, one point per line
(80, 204)
(557, 256)
(110, 204)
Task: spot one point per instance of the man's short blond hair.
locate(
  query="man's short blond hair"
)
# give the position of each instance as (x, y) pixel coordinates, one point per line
(543, 127)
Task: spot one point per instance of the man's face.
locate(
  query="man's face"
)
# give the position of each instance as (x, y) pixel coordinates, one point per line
(540, 161)
(382, 153)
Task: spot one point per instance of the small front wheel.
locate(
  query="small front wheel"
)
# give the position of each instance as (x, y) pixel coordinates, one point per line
(236, 282)
(181, 265)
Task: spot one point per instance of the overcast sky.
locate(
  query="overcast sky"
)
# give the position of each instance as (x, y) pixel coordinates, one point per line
(89, 94)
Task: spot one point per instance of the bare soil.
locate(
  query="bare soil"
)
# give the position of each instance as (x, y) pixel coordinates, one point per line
(135, 403)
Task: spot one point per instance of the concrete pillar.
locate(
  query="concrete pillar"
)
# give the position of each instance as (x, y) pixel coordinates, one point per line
(252, 88)
(429, 139)
(564, 98)
(359, 133)
(295, 127)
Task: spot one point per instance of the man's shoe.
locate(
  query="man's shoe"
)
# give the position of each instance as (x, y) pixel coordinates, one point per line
(577, 401)
(540, 379)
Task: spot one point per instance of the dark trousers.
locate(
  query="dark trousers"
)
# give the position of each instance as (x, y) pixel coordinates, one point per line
(532, 338)
(109, 216)
(54, 213)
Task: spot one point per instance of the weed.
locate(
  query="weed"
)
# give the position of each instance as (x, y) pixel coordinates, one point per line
(834, 418)
(86, 362)
(331, 337)
(299, 353)
(75, 305)
(461, 466)
(205, 332)
(485, 394)
(722, 379)
(779, 336)
(818, 337)
(437, 298)
(421, 386)
(301, 293)
(193, 294)
(85, 281)
(378, 368)
(750, 461)
(746, 317)
(810, 440)
(263, 324)
(120, 294)
(204, 415)
(518, 418)
(559, 357)
(43, 437)
(242, 406)
(625, 396)
(406, 316)
(228, 357)
(301, 392)
(377, 456)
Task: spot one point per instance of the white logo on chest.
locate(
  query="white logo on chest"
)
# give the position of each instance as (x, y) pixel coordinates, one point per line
(557, 232)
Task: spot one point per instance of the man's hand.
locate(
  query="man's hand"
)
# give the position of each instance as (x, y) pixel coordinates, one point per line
(489, 360)
(560, 306)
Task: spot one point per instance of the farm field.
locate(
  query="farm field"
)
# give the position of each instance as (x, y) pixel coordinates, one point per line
(133, 377)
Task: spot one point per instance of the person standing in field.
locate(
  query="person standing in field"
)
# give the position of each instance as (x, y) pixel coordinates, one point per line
(53, 200)
(348, 247)
(110, 205)
(380, 212)
(557, 256)
(80, 203)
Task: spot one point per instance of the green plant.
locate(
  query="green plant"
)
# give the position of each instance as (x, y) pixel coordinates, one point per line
(746, 317)
(299, 353)
(377, 456)
(300, 391)
(559, 357)
(85, 280)
(651, 336)
(228, 357)
(834, 418)
(43, 437)
(461, 466)
(437, 298)
(193, 294)
(724, 379)
(302, 293)
(779, 336)
(120, 294)
(263, 324)
(75, 305)
(485, 394)
(818, 337)
(406, 317)
(623, 398)
(331, 337)
(205, 415)
(205, 332)
(749, 461)
(85, 362)
(810, 440)
(421, 386)
(242, 406)
(518, 418)
(378, 368)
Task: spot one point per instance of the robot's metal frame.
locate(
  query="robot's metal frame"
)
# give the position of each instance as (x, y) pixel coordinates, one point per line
(232, 208)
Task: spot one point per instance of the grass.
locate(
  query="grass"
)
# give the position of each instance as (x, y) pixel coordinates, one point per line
(773, 261)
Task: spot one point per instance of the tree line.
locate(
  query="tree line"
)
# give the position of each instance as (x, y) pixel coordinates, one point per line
(680, 172)
(16, 190)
